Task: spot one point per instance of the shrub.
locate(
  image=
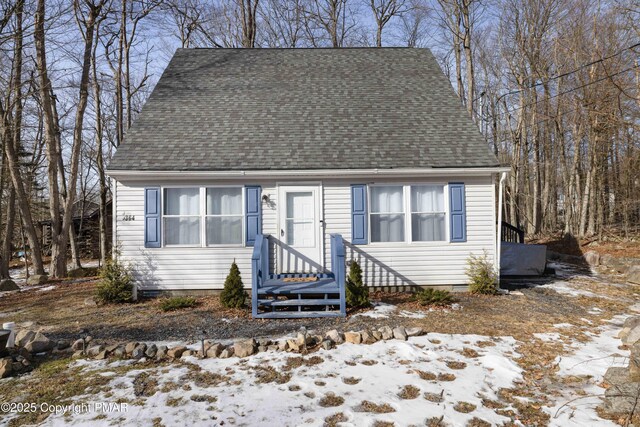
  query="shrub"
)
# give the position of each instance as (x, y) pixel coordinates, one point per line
(430, 296)
(116, 284)
(233, 295)
(177, 303)
(83, 272)
(482, 276)
(357, 293)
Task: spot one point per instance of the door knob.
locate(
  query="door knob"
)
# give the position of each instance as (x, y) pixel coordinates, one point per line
(281, 232)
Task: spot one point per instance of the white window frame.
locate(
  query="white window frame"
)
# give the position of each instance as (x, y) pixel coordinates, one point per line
(444, 212)
(408, 232)
(202, 197)
(242, 215)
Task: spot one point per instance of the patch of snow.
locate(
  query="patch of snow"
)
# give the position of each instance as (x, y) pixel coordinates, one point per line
(412, 314)
(381, 310)
(567, 288)
(548, 336)
(563, 325)
(46, 288)
(590, 359)
(243, 401)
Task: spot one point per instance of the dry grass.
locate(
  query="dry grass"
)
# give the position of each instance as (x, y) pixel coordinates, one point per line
(351, 380)
(331, 400)
(454, 364)
(204, 398)
(268, 374)
(427, 376)
(379, 423)
(446, 377)
(367, 406)
(409, 392)
(435, 422)
(297, 362)
(478, 422)
(335, 419)
(464, 407)
(435, 397)
(469, 352)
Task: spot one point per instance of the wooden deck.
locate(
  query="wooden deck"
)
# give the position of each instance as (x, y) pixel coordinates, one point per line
(281, 296)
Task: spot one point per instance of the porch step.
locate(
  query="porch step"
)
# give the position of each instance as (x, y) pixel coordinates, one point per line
(280, 287)
(297, 314)
(297, 302)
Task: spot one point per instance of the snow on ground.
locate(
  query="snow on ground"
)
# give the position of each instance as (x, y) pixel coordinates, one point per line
(380, 310)
(571, 289)
(590, 359)
(381, 370)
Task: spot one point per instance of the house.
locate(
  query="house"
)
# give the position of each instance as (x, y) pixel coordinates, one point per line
(293, 162)
(86, 225)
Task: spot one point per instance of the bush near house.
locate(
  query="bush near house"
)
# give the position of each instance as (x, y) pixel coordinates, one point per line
(430, 296)
(233, 294)
(357, 293)
(116, 283)
(177, 303)
(483, 278)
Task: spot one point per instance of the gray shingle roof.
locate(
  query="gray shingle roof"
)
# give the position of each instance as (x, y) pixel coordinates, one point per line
(256, 109)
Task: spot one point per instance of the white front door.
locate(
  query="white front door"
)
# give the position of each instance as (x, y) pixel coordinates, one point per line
(300, 240)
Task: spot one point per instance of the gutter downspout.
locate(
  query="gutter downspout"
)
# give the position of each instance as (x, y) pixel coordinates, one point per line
(503, 177)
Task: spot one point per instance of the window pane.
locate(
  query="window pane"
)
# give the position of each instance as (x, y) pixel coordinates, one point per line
(427, 198)
(427, 227)
(224, 201)
(300, 233)
(224, 230)
(182, 201)
(386, 199)
(387, 228)
(182, 231)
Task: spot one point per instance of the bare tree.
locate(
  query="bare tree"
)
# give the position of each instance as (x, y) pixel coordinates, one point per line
(383, 12)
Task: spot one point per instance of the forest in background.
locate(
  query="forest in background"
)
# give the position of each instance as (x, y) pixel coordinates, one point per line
(554, 85)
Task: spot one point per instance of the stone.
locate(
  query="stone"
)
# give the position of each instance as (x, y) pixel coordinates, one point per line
(102, 355)
(119, 352)
(377, 335)
(7, 285)
(367, 337)
(39, 344)
(592, 258)
(414, 332)
(77, 355)
(16, 367)
(62, 344)
(94, 350)
(631, 337)
(176, 352)
(634, 363)
(387, 332)
(353, 337)
(264, 342)
(244, 348)
(6, 367)
(151, 351)
(620, 265)
(262, 348)
(400, 333)
(138, 352)
(214, 350)
(629, 323)
(37, 279)
(111, 348)
(78, 345)
(633, 275)
(272, 347)
(226, 353)
(616, 375)
(294, 345)
(621, 399)
(23, 336)
(188, 353)
(162, 352)
(283, 345)
(130, 347)
(335, 336)
(327, 344)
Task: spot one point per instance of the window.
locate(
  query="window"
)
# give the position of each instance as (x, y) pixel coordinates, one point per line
(427, 213)
(181, 216)
(224, 216)
(387, 213)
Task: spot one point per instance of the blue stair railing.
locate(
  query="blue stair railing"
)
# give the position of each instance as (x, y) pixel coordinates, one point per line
(338, 268)
(259, 268)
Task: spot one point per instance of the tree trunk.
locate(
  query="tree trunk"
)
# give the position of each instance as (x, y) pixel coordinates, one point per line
(5, 251)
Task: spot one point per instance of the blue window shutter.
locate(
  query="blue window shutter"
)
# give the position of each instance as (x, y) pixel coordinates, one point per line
(152, 218)
(457, 212)
(359, 229)
(253, 213)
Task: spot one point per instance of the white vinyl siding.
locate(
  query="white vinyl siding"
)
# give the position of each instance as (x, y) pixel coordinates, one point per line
(383, 263)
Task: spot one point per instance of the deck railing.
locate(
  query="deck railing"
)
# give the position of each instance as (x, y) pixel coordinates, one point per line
(338, 267)
(512, 233)
(259, 268)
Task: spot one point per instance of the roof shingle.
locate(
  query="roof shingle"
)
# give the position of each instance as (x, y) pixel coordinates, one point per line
(284, 109)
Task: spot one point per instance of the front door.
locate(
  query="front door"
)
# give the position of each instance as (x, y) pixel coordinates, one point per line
(300, 240)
